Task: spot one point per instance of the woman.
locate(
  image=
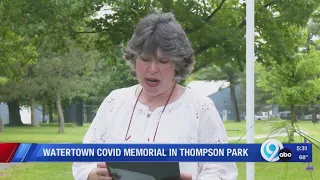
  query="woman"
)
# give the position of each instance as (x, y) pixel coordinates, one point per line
(158, 109)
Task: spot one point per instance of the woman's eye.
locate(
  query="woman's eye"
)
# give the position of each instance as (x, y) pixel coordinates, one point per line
(144, 59)
(164, 62)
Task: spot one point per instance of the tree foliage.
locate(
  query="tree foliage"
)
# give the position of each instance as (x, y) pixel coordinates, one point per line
(216, 28)
(59, 47)
(16, 53)
(294, 82)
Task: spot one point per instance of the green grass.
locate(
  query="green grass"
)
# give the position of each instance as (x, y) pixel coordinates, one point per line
(38, 171)
(53, 171)
(239, 129)
(43, 134)
(265, 128)
(278, 171)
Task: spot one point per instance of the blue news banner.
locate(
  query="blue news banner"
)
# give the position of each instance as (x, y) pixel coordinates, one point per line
(163, 153)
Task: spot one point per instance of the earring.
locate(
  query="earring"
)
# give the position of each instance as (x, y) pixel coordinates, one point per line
(133, 73)
(177, 73)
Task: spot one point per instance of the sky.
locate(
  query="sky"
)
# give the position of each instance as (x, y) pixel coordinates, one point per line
(207, 88)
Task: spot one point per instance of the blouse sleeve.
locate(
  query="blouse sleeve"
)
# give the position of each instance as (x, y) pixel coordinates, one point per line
(212, 131)
(95, 134)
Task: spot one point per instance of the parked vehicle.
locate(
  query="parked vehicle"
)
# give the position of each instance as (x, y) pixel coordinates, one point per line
(309, 117)
(286, 115)
(261, 116)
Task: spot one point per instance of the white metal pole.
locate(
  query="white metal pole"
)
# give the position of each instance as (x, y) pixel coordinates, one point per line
(250, 82)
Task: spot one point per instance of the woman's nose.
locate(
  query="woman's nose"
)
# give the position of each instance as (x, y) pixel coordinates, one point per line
(153, 68)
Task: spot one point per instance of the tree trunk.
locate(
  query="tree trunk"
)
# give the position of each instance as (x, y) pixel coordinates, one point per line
(60, 113)
(50, 112)
(291, 133)
(1, 125)
(302, 112)
(44, 113)
(314, 116)
(33, 113)
(90, 114)
(234, 103)
(14, 113)
(316, 112)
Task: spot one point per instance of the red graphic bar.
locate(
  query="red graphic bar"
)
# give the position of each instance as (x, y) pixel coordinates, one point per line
(7, 151)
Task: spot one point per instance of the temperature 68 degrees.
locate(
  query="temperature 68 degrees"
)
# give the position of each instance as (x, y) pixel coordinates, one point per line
(303, 157)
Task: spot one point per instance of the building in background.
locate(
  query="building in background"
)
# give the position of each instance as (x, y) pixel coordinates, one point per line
(222, 100)
(25, 114)
(219, 92)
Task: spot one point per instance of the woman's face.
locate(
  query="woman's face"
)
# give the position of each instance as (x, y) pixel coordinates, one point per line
(155, 74)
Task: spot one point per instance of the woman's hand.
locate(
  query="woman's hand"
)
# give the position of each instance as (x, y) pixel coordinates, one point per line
(185, 176)
(100, 173)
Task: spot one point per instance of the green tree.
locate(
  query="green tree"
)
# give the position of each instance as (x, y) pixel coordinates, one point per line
(314, 30)
(215, 28)
(48, 25)
(293, 82)
(16, 53)
(66, 76)
(261, 97)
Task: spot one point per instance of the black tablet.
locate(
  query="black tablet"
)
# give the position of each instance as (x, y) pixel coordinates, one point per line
(144, 170)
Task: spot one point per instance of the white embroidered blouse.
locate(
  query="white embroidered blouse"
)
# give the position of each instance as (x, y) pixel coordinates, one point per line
(190, 119)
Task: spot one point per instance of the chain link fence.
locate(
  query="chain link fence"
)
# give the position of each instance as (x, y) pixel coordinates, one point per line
(268, 112)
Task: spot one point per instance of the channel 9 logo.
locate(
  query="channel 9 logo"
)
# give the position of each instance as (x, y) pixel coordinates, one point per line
(272, 150)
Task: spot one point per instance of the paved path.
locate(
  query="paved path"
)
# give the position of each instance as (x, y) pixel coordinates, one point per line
(5, 165)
